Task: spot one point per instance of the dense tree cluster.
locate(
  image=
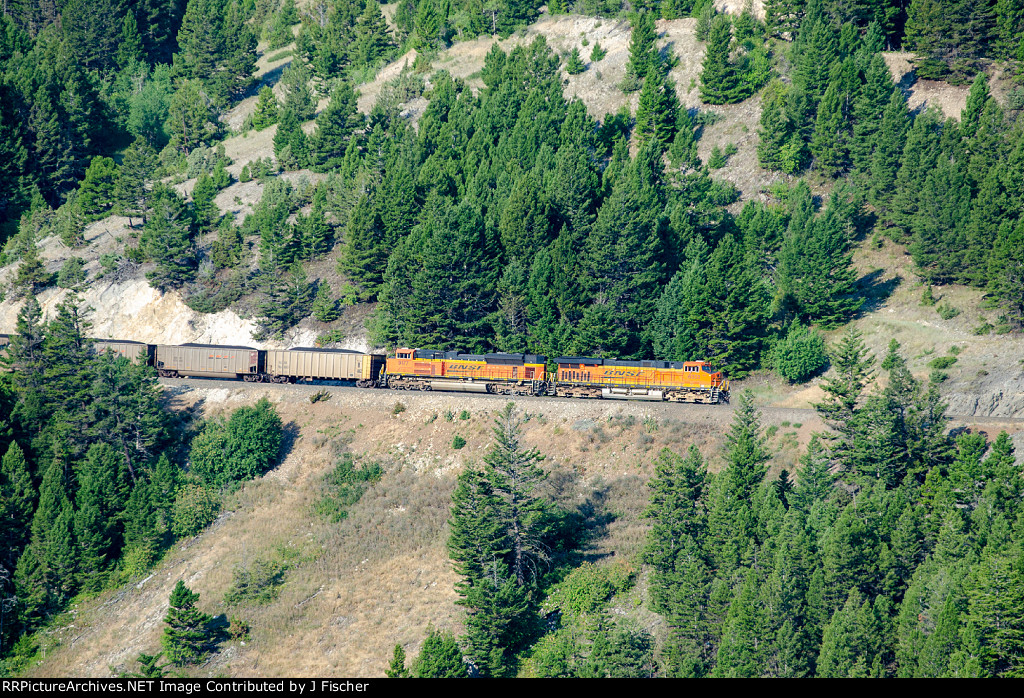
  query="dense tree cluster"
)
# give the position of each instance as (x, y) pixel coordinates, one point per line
(894, 554)
(91, 483)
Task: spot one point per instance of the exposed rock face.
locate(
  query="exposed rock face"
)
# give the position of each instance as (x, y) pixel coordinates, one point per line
(133, 310)
(1005, 400)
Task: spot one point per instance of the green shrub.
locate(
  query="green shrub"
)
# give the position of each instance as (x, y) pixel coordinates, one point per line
(71, 273)
(243, 447)
(399, 408)
(195, 508)
(458, 442)
(800, 354)
(259, 582)
(588, 588)
(574, 65)
(344, 486)
(927, 298)
(941, 362)
(983, 328)
(947, 312)
(464, 414)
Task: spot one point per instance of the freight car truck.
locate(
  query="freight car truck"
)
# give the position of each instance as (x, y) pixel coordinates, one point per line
(208, 361)
(307, 364)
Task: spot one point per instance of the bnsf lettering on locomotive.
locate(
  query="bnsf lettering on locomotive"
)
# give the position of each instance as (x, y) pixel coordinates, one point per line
(624, 373)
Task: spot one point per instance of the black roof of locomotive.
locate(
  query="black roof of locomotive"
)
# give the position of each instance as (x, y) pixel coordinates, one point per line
(498, 358)
(591, 361)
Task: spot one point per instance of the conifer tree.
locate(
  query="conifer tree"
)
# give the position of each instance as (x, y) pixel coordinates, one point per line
(682, 574)
(265, 114)
(719, 78)
(131, 190)
(325, 307)
(129, 50)
(335, 129)
(439, 658)
(291, 148)
(17, 500)
(816, 274)
(191, 117)
(167, 239)
(643, 54)
(373, 40)
(185, 639)
(829, 144)
(397, 669)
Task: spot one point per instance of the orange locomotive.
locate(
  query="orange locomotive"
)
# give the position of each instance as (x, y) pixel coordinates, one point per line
(676, 381)
(503, 374)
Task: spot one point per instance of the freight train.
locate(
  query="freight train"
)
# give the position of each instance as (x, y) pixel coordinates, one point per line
(427, 369)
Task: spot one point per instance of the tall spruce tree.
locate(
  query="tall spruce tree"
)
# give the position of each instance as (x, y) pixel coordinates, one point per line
(186, 639)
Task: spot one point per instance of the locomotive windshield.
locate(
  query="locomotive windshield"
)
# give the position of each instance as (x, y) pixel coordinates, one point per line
(707, 369)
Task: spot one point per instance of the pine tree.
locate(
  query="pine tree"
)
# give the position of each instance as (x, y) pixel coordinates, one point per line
(290, 144)
(682, 575)
(781, 146)
(373, 40)
(719, 78)
(17, 500)
(439, 658)
(829, 144)
(335, 129)
(574, 64)
(131, 190)
(397, 670)
(167, 239)
(816, 275)
(191, 121)
(129, 50)
(643, 53)
(325, 307)
(741, 653)
(265, 113)
(185, 639)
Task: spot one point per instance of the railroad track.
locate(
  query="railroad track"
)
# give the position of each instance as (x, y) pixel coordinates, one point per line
(720, 412)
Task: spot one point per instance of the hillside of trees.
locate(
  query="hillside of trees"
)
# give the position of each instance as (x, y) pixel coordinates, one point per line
(509, 218)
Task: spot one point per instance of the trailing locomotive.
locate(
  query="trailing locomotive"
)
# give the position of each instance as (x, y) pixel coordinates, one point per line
(502, 374)
(427, 369)
(675, 381)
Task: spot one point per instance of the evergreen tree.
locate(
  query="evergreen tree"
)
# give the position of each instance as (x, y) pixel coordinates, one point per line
(574, 64)
(291, 148)
(816, 275)
(17, 500)
(131, 190)
(719, 78)
(191, 122)
(129, 50)
(185, 639)
(643, 54)
(682, 574)
(397, 670)
(439, 658)
(167, 238)
(265, 114)
(829, 144)
(325, 307)
(335, 128)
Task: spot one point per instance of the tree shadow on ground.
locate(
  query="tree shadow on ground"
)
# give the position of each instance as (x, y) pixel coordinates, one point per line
(876, 290)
